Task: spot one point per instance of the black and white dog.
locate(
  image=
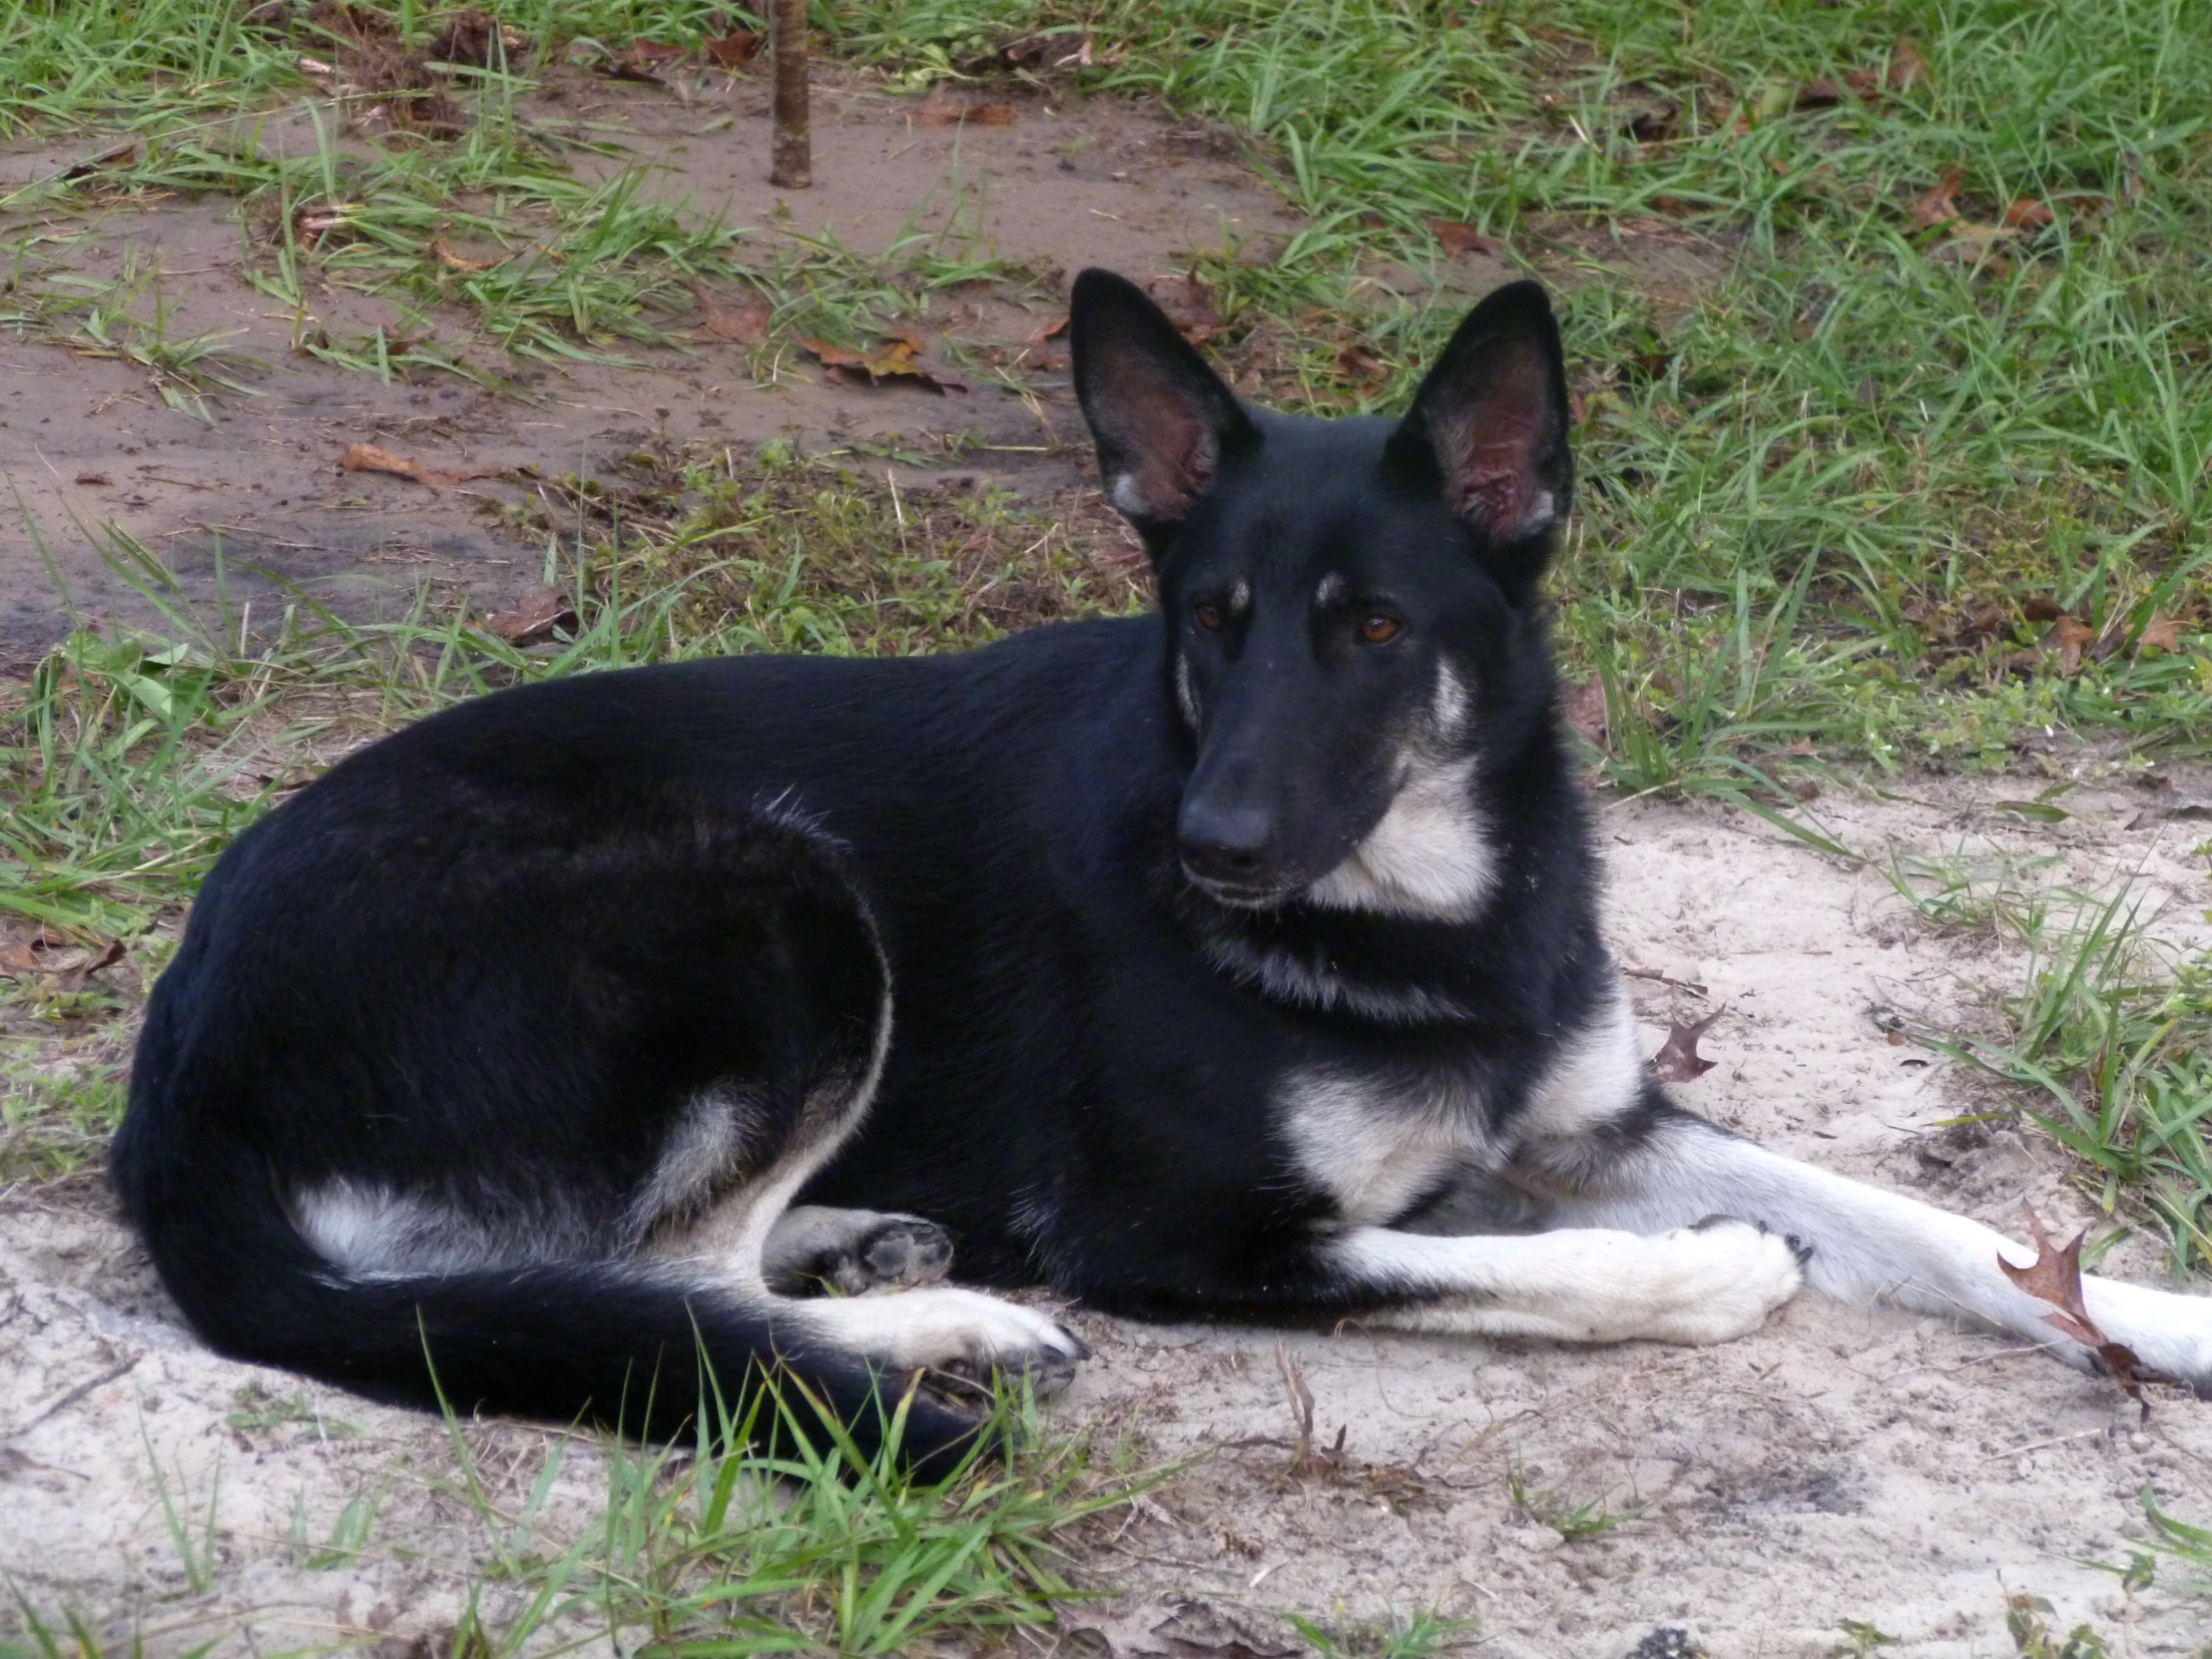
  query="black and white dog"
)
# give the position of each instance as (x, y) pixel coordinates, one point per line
(1238, 961)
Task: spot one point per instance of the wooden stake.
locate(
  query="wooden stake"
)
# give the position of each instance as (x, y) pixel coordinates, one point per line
(791, 160)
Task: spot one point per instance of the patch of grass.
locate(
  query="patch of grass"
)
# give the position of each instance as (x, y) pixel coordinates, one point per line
(2110, 1041)
(1415, 1637)
(1574, 1521)
(719, 1549)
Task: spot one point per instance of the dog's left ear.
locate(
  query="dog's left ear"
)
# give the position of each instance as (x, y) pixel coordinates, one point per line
(1488, 428)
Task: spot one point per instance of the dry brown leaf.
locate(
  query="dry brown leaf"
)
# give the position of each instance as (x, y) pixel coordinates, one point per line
(367, 457)
(2162, 633)
(735, 49)
(1357, 363)
(1821, 94)
(1906, 67)
(19, 957)
(2069, 636)
(468, 38)
(1457, 238)
(1189, 306)
(2055, 1276)
(942, 109)
(119, 154)
(1938, 205)
(624, 68)
(743, 323)
(457, 261)
(1050, 330)
(2027, 213)
(1678, 1060)
(1583, 707)
(896, 359)
(2041, 606)
(536, 614)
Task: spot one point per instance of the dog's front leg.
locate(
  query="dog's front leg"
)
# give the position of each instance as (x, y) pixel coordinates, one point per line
(1867, 1245)
(1693, 1284)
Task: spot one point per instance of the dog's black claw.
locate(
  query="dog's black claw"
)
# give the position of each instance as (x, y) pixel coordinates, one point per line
(1798, 1248)
(1717, 1220)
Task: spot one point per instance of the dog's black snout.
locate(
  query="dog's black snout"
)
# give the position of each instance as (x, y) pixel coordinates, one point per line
(1235, 845)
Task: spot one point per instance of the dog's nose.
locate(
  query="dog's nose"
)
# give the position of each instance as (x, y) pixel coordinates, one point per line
(1231, 845)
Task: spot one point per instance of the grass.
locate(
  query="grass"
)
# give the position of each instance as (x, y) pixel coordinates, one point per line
(715, 1549)
(2108, 1042)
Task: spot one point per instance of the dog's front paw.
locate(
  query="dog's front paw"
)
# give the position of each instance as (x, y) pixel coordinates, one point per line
(1720, 1280)
(960, 1333)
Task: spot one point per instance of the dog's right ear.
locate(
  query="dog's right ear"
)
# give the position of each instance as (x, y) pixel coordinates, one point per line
(1161, 418)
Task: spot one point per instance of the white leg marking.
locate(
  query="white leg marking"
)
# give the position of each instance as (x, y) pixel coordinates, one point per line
(1693, 1286)
(1875, 1246)
(940, 1327)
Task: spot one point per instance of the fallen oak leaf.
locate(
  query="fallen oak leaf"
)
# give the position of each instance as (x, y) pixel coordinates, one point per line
(744, 324)
(2054, 1278)
(457, 261)
(893, 361)
(2028, 214)
(1457, 239)
(940, 109)
(1906, 66)
(534, 618)
(735, 49)
(1678, 1060)
(2161, 633)
(1938, 205)
(2070, 636)
(367, 457)
(75, 978)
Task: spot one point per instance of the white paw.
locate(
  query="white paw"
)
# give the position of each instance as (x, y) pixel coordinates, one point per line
(2172, 1334)
(1718, 1281)
(960, 1332)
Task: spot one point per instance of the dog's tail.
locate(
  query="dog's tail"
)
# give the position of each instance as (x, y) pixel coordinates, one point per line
(629, 1347)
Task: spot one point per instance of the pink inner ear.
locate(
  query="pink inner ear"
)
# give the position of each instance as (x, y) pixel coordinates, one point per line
(1173, 460)
(1489, 449)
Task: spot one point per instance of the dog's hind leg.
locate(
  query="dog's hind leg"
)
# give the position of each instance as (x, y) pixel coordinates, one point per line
(813, 1248)
(1658, 1167)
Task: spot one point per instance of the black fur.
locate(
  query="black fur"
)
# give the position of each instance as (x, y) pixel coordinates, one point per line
(489, 959)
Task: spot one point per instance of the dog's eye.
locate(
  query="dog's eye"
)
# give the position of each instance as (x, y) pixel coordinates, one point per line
(1379, 629)
(1209, 616)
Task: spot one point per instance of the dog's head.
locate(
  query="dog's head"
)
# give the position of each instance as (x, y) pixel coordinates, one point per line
(1348, 603)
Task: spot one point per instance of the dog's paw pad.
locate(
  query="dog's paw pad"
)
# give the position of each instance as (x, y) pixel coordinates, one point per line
(899, 1251)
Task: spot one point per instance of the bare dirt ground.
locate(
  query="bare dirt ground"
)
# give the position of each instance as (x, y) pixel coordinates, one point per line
(1861, 1467)
(1837, 1467)
(85, 441)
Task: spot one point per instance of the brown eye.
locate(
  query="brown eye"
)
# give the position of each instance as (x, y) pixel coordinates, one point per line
(1379, 629)
(1209, 616)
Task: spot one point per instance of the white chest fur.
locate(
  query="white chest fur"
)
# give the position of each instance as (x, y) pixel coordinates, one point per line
(1375, 1146)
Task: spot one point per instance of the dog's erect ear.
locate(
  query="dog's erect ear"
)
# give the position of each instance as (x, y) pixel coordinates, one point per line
(1162, 420)
(1489, 429)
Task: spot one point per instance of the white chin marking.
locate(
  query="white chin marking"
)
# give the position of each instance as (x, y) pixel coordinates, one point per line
(1430, 857)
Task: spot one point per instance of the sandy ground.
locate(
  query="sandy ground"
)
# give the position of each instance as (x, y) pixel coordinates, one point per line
(1838, 1466)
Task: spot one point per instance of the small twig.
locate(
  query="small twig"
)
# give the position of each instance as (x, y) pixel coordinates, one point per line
(791, 158)
(1690, 985)
(71, 1398)
(2038, 1445)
